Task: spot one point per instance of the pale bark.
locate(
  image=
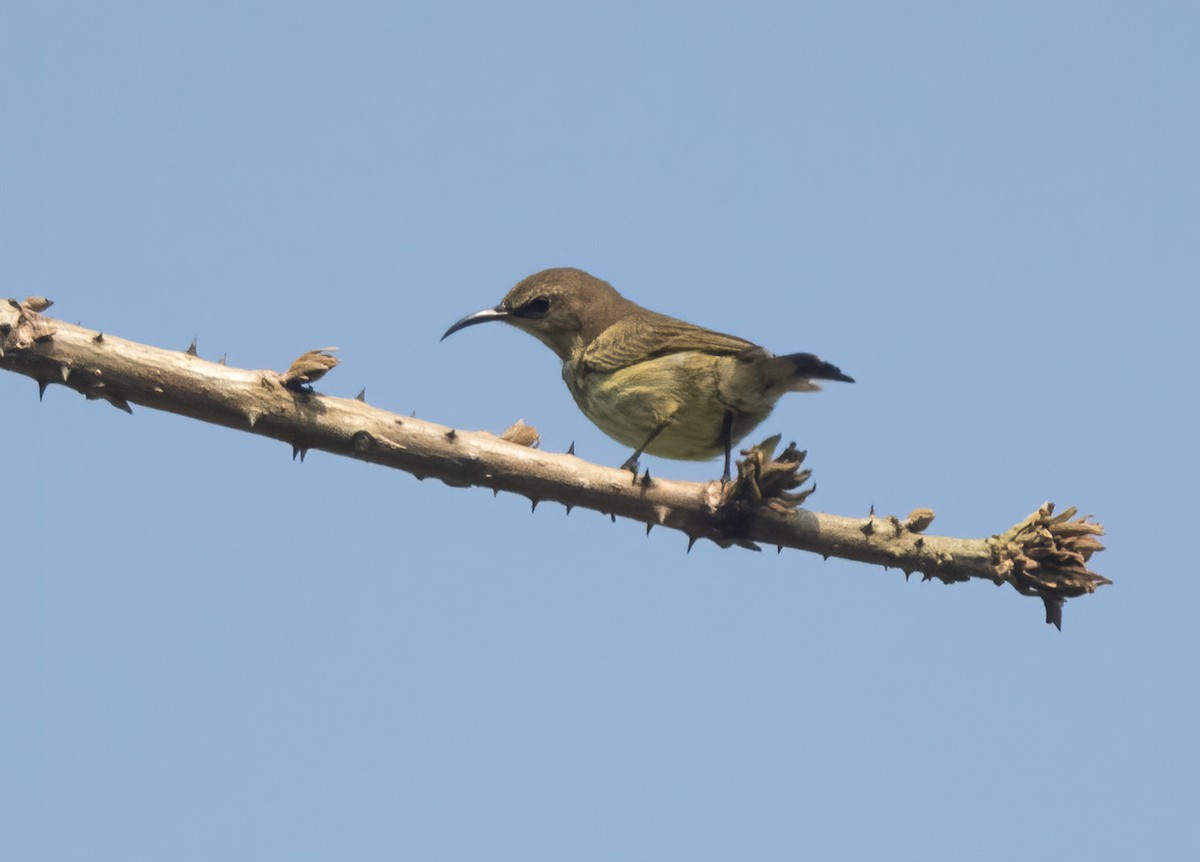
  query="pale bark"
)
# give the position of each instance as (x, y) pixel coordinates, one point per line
(1044, 555)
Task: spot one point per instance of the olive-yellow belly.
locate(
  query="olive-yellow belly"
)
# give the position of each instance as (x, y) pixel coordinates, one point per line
(685, 394)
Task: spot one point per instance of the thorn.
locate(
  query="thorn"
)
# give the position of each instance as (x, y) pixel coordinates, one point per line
(646, 480)
(98, 337)
(362, 394)
(614, 517)
(65, 371)
(691, 541)
(495, 492)
(533, 505)
(42, 384)
(191, 351)
(451, 434)
(825, 557)
(298, 451)
(649, 527)
(907, 574)
(252, 417)
(872, 515)
(925, 576)
(779, 549)
(1054, 607)
(413, 415)
(661, 513)
(569, 507)
(571, 448)
(221, 361)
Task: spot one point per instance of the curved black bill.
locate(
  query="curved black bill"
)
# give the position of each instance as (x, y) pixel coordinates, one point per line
(497, 313)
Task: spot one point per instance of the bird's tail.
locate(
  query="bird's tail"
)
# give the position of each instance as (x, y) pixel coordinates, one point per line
(759, 372)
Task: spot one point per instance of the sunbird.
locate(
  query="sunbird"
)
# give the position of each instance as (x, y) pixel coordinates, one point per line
(656, 384)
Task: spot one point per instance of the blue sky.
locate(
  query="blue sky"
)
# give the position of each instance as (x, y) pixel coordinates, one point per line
(986, 213)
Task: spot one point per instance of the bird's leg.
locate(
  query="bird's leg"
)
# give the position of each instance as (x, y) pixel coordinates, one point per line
(727, 442)
(631, 462)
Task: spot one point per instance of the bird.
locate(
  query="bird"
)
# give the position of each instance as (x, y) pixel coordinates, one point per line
(653, 383)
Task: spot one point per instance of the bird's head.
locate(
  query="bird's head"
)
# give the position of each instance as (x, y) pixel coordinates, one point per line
(563, 308)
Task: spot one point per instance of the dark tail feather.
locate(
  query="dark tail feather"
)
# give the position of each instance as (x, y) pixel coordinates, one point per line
(815, 368)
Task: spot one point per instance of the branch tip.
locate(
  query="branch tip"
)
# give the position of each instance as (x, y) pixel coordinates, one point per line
(1046, 555)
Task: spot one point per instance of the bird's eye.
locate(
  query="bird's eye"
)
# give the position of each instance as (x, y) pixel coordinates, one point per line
(537, 307)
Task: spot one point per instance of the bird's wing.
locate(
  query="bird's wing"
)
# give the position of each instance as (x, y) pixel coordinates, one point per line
(636, 339)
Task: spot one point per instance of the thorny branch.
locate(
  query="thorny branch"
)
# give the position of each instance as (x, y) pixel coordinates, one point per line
(1045, 555)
